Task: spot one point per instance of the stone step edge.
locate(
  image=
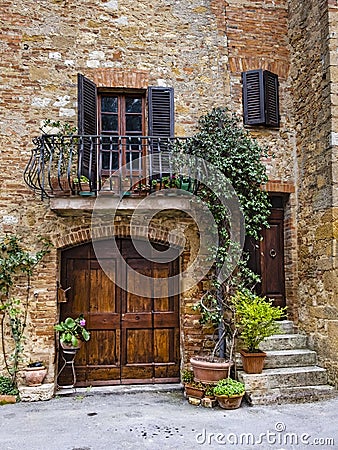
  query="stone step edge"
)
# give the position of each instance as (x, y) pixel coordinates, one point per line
(285, 336)
(286, 370)
(291, 394)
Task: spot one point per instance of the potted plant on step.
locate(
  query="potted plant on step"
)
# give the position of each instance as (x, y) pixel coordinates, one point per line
(72, 332)
(229, 393)
(255, 320)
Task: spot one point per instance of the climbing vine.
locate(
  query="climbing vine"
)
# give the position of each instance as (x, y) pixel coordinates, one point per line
(17, 266)
(221, 141)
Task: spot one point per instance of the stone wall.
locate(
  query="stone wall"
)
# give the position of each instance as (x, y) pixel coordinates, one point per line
(312, 32)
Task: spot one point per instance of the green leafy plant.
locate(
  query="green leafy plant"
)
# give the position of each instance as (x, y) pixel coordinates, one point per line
(82, 179)
(255, 318)
(229, 387)
(16, 263)
(187, 376)
(72, 331)
(209, 390)
(7, 387)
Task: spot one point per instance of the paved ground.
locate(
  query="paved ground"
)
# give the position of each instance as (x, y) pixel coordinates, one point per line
(125, 418)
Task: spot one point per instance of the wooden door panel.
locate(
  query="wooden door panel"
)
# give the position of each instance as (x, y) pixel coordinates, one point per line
(134, 339)
(272, 259)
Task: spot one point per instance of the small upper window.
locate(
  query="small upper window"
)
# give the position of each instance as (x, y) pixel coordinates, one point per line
(260, 98)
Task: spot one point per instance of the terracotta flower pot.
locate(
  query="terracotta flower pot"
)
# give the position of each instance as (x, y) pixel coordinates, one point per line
(252, 362)
(209, 372)
(192, 391)
(4, 399)
(226, 402)
(35, 375)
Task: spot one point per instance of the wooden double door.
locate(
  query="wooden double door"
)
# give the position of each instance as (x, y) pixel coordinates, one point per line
(134, 338)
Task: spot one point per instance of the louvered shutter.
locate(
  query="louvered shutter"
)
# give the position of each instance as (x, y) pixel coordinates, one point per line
(160, 127)
(253, 97)
(271, 99)
(260, 98)
(161, 111)
(87, 125)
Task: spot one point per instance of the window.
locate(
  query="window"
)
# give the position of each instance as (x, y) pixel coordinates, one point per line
(260, 98)
(121, 120)
(118, 117)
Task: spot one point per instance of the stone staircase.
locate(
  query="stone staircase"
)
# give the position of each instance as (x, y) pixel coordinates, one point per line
(290, 372)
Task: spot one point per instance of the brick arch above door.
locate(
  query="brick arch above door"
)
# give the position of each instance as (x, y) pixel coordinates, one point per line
(156, 234)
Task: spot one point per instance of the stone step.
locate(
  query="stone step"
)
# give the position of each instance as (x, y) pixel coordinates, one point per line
(286, 326)
(286, 358)
(283, 342)
(283, 377)
(300, 357)
(295, 394)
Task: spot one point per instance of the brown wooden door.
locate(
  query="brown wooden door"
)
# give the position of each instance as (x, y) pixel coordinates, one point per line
(134, 339)
(267, 256)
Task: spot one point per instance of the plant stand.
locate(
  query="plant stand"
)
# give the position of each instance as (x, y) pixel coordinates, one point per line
(68, 356)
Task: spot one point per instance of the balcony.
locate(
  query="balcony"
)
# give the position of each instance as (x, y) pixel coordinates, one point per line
(73, 170)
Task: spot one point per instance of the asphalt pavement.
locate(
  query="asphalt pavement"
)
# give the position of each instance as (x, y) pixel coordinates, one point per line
(159, 417)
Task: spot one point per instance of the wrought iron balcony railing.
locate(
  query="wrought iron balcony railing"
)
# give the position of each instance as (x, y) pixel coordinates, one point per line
(122, 165)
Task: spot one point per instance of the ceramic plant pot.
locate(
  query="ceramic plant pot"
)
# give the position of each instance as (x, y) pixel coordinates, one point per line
(226, 402)
(192, 391)
(35, 375)
(209, 372)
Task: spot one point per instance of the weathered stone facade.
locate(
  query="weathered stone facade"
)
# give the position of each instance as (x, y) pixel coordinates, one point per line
(199, 47)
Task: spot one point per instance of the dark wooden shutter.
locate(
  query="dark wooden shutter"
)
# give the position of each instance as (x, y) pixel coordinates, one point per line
(260, 98)
(253, 97)
(87, 125)
(161, 125)
(161, 111)
(271, 99)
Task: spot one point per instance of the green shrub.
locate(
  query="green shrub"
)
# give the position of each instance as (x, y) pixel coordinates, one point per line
(255, 318)
(7, 387)
(229, 387)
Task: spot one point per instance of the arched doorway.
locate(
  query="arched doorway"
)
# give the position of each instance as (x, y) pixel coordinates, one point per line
(134, 339)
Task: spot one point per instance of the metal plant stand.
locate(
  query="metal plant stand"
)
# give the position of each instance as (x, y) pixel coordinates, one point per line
(68, 356)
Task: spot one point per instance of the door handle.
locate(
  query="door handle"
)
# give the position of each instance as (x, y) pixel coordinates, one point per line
(273, 253)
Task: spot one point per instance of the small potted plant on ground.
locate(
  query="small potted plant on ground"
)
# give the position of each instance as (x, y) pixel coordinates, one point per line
(229, 393)
(255, 319)
(72, 332)
(191, 387)
(8, 391)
